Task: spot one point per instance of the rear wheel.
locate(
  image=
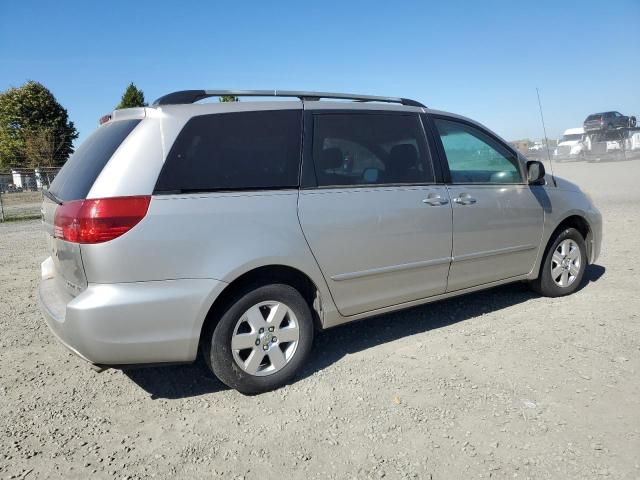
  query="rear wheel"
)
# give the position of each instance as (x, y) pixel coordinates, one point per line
(261, 340)
(563, 265)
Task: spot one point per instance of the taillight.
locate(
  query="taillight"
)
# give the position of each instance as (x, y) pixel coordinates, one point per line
(98, 220)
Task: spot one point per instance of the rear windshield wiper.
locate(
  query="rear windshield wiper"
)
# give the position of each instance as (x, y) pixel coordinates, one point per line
(51, 196)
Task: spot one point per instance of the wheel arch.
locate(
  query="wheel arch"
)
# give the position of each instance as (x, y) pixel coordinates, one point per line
(572, 220)
(259, 276)
(575, 220)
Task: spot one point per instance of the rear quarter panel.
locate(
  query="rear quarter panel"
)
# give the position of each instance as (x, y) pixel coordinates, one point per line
(214, 235)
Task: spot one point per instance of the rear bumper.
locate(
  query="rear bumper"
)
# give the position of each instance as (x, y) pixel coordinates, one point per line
(130, 323)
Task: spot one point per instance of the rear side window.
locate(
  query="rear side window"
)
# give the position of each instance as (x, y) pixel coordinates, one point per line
(81, 170)
(235, 151)
(370, 149)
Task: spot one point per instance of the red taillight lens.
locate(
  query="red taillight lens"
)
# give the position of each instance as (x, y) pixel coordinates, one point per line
(98, 220)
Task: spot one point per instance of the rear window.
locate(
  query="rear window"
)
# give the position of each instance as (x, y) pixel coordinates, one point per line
(81, 170)
(235, 151)
(594, 117)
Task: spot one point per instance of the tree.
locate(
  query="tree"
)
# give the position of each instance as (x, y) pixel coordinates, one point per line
(41, 147)
(132, 97)
(228, 98)
(32, 112)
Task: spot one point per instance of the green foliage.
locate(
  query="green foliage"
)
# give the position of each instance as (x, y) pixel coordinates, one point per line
(228, 98)
(132, 97)
(32, 120)
(40, 147)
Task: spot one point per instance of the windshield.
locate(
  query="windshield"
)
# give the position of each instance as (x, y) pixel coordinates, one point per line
(573, 137)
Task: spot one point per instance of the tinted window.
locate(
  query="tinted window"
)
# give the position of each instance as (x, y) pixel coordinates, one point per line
(361, 149)
(81, 170)
(234, 151)
(475, 157)
(593, 117)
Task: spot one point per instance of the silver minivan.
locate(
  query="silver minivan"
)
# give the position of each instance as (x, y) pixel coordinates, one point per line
(235, 230)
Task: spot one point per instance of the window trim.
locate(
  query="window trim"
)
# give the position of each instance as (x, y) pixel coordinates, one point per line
(308, 177)
(444, 163)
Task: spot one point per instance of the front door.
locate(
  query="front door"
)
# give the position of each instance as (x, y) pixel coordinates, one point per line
(497, 218)
(378, 225)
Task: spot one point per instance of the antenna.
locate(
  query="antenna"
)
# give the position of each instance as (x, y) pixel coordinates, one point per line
(546, 140)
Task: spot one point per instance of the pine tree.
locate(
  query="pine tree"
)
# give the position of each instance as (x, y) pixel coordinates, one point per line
(132, 97)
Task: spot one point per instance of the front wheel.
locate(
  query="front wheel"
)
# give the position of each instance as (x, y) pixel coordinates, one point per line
(563, 265)
(261, 340)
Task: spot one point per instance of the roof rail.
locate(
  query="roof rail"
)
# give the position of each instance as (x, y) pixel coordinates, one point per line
(191, 96)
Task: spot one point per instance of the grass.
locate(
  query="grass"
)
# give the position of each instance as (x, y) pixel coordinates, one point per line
(20, 206)
(10, 199)
(20, 218)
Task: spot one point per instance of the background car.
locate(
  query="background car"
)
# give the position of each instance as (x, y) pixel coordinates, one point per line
(570, 146)
(608, 121)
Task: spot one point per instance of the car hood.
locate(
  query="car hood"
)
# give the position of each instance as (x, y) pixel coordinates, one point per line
(564, 184)
(569, 143)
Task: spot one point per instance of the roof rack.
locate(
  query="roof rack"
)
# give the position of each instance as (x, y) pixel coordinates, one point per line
(191, 96)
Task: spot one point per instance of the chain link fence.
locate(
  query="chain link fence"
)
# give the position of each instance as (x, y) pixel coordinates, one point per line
(21, 192)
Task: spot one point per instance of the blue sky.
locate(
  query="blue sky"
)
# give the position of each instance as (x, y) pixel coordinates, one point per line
(482, 59)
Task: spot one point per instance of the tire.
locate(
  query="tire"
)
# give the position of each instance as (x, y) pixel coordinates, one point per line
(549, 286)
(632, 122)
(271, 362)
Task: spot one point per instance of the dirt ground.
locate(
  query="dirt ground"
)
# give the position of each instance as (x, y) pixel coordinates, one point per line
(498, 384)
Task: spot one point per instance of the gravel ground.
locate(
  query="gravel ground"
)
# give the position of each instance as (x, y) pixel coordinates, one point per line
(499, 384)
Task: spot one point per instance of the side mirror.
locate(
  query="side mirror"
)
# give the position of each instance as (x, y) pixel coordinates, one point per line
(535, 172)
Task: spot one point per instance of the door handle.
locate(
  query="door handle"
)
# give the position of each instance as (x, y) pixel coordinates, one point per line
(465, 199)
(435, 200)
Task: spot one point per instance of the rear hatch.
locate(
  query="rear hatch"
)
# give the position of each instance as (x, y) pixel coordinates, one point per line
(593, 121)
(74, 182)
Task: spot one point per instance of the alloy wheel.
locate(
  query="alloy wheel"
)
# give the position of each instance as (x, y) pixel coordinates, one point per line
(265, 338)
(566, 263)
